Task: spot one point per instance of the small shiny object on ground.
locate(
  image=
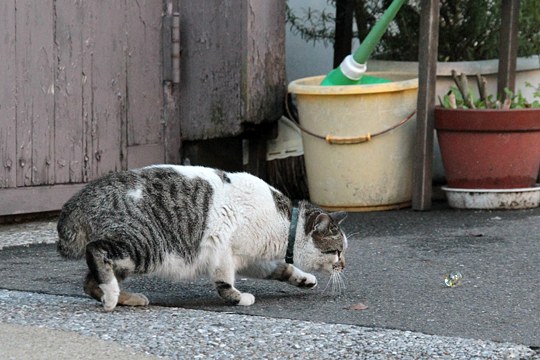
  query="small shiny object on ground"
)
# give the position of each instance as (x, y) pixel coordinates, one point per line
(453, 279)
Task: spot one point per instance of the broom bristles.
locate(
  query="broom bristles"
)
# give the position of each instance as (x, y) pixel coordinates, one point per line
(289, 176)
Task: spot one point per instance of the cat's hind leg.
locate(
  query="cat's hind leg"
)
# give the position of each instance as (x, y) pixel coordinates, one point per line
(101, 269)
(109, 265)
(91, 287)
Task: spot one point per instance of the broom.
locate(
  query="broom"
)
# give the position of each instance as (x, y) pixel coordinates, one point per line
(285, 166)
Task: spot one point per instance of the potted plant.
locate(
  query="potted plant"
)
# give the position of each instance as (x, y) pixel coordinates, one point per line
(489, 146)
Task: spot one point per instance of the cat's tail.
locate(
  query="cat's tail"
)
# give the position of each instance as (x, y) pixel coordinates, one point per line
(72, 238)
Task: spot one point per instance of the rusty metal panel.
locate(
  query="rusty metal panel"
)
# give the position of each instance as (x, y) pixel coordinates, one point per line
(69, 125)
(8, 150)
(104, 85)
(35, 92)
(145, 100)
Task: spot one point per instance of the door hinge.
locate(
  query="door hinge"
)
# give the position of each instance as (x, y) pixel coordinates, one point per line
(171, 48)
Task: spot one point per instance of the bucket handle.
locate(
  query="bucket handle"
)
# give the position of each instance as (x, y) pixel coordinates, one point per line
(345, 140)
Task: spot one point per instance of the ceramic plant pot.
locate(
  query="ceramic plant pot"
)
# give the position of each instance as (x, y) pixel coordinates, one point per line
(527, 70)
(489, 149)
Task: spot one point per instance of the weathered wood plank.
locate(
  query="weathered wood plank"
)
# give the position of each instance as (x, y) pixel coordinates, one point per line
(427, 76)
(143, 155)
(8, 147)
(86, 92)
(35, 92)
(232, 65)
(104, 89)
(264, 83)
(171, 110)
(69, 126)
(171, 115)
(211, 79)
(508, 46)
(145, 100)
(34, 199)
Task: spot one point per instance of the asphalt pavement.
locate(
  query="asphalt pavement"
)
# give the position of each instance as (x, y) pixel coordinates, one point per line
(395, 294)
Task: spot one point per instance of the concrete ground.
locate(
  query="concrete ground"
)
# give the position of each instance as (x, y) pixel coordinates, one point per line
(397, 261)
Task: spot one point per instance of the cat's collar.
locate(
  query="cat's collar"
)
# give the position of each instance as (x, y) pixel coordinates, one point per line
(292, 234)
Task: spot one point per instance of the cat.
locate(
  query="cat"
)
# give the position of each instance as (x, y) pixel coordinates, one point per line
(181, 222)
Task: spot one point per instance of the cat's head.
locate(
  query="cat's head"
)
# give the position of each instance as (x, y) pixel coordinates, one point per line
(322, 243)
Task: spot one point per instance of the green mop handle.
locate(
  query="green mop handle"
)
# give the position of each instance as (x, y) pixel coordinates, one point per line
(353, 66)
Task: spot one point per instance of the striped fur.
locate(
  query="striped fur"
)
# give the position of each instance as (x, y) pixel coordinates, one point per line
(181, 222)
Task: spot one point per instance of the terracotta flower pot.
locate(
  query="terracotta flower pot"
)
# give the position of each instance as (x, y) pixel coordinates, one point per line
(489, 149)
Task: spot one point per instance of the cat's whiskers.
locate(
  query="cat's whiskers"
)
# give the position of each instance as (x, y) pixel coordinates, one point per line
(341, 282)
(336, 283)
(327, 284)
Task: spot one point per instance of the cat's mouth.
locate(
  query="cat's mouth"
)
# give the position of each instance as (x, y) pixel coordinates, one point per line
(337, 267)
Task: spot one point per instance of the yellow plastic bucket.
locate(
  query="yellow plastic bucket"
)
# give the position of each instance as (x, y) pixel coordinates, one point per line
(347, 175)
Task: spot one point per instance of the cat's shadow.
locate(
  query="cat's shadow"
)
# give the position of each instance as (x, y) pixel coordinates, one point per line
(201, 293)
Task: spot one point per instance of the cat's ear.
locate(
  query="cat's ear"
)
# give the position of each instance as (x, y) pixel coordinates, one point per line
(322, 221)
(338, 217)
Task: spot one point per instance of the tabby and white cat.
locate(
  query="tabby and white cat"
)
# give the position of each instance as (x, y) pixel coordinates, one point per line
(181, 222)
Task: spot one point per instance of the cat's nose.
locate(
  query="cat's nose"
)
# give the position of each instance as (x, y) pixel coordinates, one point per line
(339, 264)
(342, 261)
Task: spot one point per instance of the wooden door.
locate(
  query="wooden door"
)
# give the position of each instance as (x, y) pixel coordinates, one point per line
(82, 94)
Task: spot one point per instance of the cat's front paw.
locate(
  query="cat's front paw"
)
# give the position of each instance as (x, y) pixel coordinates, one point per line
(308, 281)
(246, 299)
(302, 279)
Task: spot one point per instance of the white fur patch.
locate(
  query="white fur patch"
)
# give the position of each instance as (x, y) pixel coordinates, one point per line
(298, 276)
(175, 268)
(246, 299)
(136, 194)
(127, 264)
(111, 291)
